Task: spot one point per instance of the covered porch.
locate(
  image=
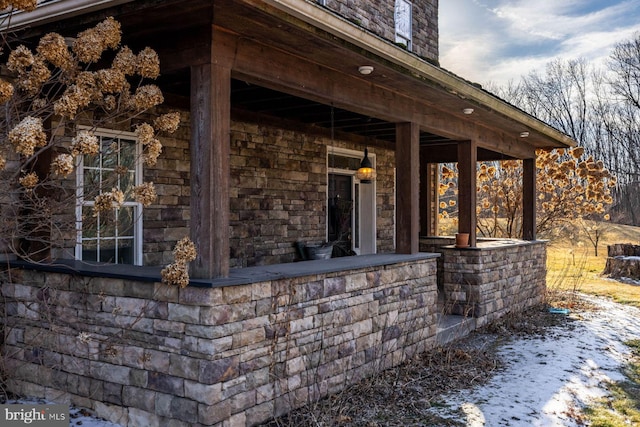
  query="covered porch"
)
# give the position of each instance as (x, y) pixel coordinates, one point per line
(295, 62)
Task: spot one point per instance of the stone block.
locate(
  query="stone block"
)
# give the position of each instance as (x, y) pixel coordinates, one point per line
(249, 338)
(214, 371)
(138, 417)
(109, 372)
(334, 286)
(165, 383)
(157, 361)
(184, 409)
(209, 415)
(184, 313)
(236, 294)
(184, 367)
(242, 401)
(200, 296)
(209, 394)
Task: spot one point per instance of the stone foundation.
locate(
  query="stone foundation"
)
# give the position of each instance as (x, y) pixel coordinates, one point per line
(142, 353)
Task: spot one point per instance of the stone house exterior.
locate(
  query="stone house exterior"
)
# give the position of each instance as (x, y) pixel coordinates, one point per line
(276, 112)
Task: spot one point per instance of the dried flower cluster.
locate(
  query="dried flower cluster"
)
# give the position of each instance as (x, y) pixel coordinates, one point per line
(177, 273)
(27, 135)
(167, 122)
(29, 181)
(108, 201)
(26, 5)
(91, 43)
(85, 142)
(62, 165)
(6, 91)
(145, 194)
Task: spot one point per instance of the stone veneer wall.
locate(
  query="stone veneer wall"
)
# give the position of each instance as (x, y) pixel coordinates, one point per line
(279, 192)
(378, 17)
(145, 354)
(489, 282)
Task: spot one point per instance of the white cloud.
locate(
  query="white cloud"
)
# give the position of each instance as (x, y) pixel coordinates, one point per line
(501, 40)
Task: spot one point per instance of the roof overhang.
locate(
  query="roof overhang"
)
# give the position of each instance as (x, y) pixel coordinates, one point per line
(325, 48)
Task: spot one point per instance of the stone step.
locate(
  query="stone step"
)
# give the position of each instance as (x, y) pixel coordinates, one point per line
(452, 327)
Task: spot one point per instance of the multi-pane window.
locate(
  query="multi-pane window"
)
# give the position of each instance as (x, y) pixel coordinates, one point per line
(113, 236)
(403, 18)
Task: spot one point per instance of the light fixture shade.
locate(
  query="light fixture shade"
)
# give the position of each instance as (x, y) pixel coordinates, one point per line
(366, 173)
(365, 69)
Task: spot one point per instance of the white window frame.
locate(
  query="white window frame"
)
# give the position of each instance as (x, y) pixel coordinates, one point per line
(137, 207)
(403, 18)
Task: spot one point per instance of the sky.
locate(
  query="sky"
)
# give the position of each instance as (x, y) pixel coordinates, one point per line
(497, 41)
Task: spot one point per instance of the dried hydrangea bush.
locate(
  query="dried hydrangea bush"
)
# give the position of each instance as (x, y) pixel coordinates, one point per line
(54, 97)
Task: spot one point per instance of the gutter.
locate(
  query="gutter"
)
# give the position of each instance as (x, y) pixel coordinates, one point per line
(59, 9)
(312, 14)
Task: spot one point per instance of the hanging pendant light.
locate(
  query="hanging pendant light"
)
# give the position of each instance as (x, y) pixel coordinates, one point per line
(366, 174)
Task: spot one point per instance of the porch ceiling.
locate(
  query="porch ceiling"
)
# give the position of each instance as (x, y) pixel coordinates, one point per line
(324, 44)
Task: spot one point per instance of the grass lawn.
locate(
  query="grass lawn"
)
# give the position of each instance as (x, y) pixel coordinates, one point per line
(572, 264)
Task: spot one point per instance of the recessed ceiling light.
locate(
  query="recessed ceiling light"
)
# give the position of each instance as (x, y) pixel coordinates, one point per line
(524, 134)
(468, 111)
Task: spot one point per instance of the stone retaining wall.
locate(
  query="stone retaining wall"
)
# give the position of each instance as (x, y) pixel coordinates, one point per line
(489, 282)
(145, 354)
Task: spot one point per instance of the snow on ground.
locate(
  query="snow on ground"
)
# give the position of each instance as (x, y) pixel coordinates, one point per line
(546, 379)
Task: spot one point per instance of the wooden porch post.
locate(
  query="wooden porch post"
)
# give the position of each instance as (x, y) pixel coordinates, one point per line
(428, 196)
(210, 173)
(408, 188)
(467, 193)
(529, 199)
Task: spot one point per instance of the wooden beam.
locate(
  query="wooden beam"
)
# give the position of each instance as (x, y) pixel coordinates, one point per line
(467, 192)
(529, 199)
(279, 70)
(210, 170)
(408, 188)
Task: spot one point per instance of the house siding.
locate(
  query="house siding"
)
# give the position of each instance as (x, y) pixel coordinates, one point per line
(378, 17)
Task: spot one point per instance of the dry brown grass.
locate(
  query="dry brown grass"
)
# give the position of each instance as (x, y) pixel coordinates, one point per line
(573, 266)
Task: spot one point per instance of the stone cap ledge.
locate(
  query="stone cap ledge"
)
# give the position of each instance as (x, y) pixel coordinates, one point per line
(237, 276)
